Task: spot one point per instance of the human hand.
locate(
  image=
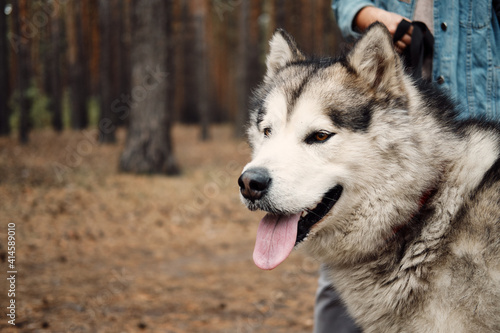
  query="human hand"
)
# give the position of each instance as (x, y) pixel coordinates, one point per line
(369, 15)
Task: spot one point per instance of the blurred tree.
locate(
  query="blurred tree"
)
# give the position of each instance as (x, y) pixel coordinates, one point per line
(220, 62)
(91, 40)
(196, 102)
(78, 73)
(242, 73)
(148, 147)
(189, 108)
(20, 11)
(279, 13)
(107, 119)
(249, 71)
(255, 70)
(173, 90)
(123, 48)
(114, 28)
(4, 73)
(53, 69)
(202, 76)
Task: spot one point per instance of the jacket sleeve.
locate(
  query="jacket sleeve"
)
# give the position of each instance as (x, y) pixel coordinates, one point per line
(345, 11)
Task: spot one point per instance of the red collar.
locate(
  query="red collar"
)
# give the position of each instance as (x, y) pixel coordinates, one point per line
(421, 203)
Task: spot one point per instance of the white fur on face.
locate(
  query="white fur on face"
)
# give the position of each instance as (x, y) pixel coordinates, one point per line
(357, 160)
(301, 173)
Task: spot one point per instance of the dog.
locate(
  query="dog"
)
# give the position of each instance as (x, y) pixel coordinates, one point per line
(374, 175)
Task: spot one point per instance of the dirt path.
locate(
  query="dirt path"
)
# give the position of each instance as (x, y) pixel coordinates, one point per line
(100, 251)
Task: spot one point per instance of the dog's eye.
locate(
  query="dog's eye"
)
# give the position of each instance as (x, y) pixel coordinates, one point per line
(267, 132)
(321, 136)
(318, 137)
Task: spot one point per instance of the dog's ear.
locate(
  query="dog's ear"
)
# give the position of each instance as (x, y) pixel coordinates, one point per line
(375, 59)
(283, 50)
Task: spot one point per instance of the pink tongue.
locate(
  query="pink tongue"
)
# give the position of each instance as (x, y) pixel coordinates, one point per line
(276, 238)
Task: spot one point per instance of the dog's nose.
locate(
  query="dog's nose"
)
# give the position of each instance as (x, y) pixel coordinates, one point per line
(254, 183)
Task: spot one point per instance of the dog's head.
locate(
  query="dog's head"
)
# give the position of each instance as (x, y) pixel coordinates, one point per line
(330, 138)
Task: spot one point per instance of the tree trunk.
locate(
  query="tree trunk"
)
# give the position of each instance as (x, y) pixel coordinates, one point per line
(20, 10)
(107, 119)
(189, 109)
(55, 72)
(4, 75)
(202, 76)
(148, 147)
(280, 13)
(124, 54)
(255, 70)
(77, 66)
(242, 70)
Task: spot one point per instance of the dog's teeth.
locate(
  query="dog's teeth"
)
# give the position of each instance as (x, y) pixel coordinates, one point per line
(304, 213)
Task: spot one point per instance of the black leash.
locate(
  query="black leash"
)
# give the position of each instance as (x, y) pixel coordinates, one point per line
(496, 8)
(420, 49)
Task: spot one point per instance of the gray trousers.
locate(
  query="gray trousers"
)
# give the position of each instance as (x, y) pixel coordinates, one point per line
(330, 314)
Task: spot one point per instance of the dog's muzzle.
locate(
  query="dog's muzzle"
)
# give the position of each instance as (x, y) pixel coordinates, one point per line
(254, 183)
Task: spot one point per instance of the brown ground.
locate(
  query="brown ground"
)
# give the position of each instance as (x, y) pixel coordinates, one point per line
(102, 251)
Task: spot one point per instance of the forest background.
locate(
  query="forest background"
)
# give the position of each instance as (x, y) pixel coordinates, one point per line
(68, 64)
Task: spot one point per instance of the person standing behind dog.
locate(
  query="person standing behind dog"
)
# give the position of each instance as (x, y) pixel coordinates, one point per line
(466, 59)
(465, 62)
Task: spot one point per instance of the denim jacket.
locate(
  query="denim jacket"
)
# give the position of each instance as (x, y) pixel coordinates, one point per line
(467, 48)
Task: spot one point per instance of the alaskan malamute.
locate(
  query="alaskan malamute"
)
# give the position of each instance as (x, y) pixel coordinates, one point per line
(372, 174)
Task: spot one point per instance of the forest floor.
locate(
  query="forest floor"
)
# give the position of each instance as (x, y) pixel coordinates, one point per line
(102, 251)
